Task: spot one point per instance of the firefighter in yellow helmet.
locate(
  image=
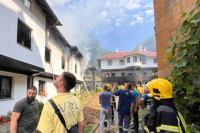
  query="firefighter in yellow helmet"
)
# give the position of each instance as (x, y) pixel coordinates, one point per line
(163, 116)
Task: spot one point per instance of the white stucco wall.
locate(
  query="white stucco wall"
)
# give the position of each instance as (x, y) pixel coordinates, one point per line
(116, 64)
(149, 72)
(149, 62)
(56, 57)
(19, 89)
(49, 89)
(72, 62)
(10, 12)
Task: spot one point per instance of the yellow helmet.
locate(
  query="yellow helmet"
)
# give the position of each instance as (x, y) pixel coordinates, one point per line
(161, 88)
(109, 86)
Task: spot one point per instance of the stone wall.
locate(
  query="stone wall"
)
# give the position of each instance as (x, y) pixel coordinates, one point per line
(167, 20)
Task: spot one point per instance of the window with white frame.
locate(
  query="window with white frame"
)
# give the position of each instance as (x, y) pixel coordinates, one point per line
(155, 60)
(134, 58)
(23, 34)
(143, 61)
(109, 62)
(5, 87)
(128, 59)
(121, 62)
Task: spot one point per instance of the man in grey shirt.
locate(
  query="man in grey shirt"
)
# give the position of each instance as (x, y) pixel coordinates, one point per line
(25, 113)
(105, 99)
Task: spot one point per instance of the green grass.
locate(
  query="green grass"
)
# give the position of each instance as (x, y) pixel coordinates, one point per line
(88, 129)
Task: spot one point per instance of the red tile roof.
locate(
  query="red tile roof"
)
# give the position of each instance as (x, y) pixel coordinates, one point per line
(123, 54)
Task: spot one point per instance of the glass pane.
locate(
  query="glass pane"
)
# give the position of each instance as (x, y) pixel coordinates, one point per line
(6, 87)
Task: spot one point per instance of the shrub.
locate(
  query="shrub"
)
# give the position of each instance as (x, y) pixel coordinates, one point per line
(184, 57)
(6, 118)
(40, 107)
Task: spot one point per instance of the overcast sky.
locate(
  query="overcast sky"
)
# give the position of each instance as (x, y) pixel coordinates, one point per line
(113, 22)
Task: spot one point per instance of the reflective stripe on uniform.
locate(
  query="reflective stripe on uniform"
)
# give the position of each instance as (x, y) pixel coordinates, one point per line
(125, 129)
(167, 128)
(183, 121)
(179, 125)
(120, 126)
(147, 130)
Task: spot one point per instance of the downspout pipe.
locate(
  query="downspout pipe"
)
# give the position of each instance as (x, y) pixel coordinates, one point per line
(32, 77)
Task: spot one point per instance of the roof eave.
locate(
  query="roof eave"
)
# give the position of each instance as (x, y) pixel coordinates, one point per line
(49, 12)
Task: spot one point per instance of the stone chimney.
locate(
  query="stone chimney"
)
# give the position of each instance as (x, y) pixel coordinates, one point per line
(116, 49)
(140, 47)
(145, 48)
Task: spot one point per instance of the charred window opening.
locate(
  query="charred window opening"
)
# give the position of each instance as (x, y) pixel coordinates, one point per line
(63, 62)
(41, 87)
(23, 35)
(47, 55)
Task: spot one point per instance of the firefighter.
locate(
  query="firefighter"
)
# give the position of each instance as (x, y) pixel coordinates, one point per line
(163, 116)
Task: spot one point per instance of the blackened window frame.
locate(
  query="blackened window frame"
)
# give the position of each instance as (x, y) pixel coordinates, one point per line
(10, 85)
(63, 62)
(47, 55)
(41, 83)
(21, 25)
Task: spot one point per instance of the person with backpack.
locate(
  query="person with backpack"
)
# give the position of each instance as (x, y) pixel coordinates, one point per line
(163, 116)
(63, 112)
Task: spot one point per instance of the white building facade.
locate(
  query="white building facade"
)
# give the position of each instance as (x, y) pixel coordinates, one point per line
(134, 66)
(32, 52)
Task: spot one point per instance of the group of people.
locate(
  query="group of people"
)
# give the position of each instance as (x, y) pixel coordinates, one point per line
(155, 102)
(60, 114)
(63, 113)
